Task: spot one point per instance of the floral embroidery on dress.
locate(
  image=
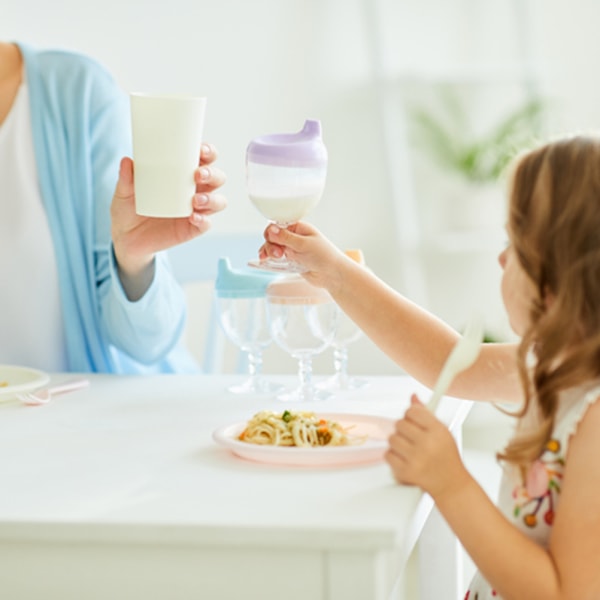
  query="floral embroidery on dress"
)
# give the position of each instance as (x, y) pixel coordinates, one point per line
(476, 596)
(541, 487)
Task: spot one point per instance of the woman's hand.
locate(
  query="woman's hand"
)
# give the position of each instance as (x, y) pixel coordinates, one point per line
(423, 453)
(137, 238)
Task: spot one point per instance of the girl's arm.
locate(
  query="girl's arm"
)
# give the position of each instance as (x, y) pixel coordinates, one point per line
(415, 339)
(423, 453)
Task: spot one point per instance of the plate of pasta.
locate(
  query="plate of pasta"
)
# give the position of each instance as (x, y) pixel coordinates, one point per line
(16, 380)
(308, 439)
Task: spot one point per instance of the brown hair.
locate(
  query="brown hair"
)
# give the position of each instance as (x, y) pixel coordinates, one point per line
(554, 228)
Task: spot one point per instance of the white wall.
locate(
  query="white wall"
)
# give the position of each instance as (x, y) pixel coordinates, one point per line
(266, 65)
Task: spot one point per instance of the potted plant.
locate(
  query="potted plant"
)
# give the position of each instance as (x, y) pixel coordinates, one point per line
(476, 160)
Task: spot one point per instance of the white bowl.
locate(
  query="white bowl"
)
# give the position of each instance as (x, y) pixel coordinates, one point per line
(17, 380)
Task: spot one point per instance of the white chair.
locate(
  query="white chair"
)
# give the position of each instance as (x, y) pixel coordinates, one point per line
(195, 267)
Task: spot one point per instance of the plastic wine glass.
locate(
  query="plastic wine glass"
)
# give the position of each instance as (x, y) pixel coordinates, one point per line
(241, 305)
(303, 320)
(285, 178)
(347, 332)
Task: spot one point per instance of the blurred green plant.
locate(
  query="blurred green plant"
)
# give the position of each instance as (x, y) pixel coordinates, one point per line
(446, 136)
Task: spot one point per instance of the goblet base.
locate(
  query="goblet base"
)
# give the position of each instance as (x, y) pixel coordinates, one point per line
(256, 385)
(303, 394)
(277, 265)
(343, 382)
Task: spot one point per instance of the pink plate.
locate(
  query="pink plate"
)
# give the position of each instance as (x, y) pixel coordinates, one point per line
(378, 429)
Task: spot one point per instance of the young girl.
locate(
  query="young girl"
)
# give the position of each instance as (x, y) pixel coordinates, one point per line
(543, 539)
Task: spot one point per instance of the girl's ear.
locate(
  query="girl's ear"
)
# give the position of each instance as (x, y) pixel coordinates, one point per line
(548, 298)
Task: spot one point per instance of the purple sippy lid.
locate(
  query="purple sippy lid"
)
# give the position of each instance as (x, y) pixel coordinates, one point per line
(302, 149)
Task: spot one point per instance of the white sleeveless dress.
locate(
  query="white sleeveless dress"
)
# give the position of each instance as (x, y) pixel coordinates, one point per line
(531, 507)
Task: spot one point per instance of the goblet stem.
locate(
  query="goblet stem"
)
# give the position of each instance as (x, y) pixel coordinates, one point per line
(306, 390)
(341, 379)
(340, 364)
(305, 373)
(255, 362)
(255, 383)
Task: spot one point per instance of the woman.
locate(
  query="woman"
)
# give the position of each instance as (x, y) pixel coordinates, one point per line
(86, 287)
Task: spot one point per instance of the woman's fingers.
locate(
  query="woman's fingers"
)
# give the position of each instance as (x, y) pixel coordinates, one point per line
(209, 204)
(208, 178)
(208, 154)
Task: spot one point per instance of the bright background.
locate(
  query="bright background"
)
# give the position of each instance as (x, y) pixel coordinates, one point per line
(266, 65)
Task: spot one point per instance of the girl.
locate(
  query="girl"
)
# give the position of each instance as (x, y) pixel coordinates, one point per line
(543, 538)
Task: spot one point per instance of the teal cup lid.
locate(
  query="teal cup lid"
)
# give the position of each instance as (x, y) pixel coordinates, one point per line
(241, 283)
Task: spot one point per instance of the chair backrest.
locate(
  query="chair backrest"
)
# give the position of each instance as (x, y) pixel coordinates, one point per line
(194, 265)
(197, 259)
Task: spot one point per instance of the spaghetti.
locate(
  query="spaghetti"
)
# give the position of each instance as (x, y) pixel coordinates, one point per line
(302, 429)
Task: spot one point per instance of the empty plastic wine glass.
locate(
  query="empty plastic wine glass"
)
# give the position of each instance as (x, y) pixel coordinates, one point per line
(346, 333)
(241, 304)
(303, 319)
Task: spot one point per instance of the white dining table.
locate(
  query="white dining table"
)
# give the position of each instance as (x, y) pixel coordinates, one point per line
(119, 491)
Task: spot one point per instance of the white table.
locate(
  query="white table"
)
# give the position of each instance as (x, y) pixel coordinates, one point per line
(118, 491)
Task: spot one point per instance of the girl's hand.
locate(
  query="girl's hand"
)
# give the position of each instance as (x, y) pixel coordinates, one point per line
(307, 246)
(423, 452)
(136, 238)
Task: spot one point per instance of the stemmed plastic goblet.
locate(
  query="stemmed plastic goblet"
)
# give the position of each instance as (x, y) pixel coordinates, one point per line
(285, 178)
(241, 304)
(303, 320)
(347, 332)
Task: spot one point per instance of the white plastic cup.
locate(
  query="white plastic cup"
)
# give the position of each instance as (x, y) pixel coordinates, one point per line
(167, 136)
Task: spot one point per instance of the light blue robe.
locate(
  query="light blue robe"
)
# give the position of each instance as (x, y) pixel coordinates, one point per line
(81, 130)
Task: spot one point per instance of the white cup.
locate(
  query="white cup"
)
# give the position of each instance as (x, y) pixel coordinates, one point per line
(167, 136)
